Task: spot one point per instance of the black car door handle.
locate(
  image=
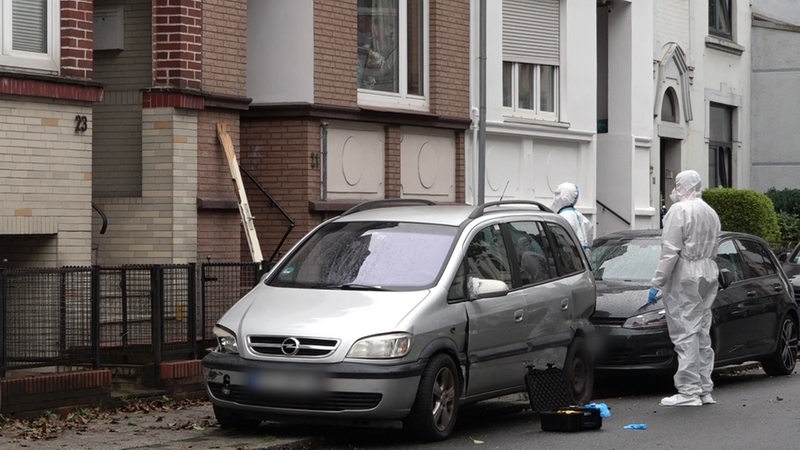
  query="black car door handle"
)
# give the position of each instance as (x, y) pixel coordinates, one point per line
(751, 293)
(777, 287)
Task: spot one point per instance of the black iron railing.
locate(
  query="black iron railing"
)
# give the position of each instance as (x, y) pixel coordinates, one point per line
(98, 316)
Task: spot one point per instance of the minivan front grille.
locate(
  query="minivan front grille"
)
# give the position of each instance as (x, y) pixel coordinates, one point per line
(290, 346)
(330, 401)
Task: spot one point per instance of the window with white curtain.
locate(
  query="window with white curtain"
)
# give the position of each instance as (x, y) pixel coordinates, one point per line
(30, 34)
(392, 53)
(531, 58)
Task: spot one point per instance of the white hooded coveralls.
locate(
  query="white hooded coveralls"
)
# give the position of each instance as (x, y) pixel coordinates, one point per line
(687, 275)
(566, 196)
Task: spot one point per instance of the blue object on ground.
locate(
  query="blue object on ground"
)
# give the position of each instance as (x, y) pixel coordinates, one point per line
(604, 411)
(636, 426)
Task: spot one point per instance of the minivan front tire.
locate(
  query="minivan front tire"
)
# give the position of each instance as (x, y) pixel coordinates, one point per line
(435, 409)
(579, 371)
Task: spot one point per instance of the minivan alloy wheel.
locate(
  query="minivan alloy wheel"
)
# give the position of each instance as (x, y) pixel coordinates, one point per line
(435, 409)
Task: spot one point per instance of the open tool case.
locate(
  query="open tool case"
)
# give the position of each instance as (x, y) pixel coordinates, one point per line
(551, 397)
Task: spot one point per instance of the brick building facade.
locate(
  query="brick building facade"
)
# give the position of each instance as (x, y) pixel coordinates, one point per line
(113, 155)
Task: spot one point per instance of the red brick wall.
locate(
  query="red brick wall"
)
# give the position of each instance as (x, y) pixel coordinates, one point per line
(335, 64)
(29, 396)
(225, 47)
(219, 231)
(449, 58)
(278, 154)
(177, 46)
(460, 182)
(77, 37)
(393, 185)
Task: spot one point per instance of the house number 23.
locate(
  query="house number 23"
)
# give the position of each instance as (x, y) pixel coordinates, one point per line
(81, 124)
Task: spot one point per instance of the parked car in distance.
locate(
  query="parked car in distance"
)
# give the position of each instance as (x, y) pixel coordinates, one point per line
(405, 313)
(791, 265)
(755, 317)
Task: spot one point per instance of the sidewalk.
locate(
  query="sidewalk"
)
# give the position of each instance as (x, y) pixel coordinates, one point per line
(141, 425)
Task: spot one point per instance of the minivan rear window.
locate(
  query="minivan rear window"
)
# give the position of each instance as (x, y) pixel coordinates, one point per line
(369, 255)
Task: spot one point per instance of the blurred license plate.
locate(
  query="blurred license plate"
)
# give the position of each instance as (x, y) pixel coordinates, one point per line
(287, 382)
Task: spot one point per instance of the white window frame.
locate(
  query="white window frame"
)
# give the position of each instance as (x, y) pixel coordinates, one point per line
(48, 61)
(536, 113)
(403, 99)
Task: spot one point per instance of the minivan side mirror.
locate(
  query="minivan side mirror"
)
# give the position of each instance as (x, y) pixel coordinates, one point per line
(725, 278)
(485, 288)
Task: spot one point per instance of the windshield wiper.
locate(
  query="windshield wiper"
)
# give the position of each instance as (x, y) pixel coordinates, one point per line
(359, 287)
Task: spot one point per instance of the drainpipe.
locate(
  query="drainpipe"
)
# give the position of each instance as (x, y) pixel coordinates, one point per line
(324, 162)
(482, 105)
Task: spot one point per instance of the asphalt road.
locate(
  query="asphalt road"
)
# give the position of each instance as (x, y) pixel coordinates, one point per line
(754, 412)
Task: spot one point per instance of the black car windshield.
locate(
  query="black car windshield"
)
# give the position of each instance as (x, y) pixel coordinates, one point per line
(369, 255)
(625, 259)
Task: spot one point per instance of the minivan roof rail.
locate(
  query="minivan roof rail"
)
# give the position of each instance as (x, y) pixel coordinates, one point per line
(386, 202)
(480, 209)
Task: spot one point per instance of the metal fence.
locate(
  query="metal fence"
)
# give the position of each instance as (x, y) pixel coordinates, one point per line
(98, 316)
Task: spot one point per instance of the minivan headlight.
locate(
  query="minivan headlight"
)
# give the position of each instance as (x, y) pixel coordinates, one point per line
(395, 345)
(226, 340)
(652, 319)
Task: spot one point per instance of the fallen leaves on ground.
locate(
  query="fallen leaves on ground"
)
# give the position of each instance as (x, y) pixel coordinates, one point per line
(51, 425)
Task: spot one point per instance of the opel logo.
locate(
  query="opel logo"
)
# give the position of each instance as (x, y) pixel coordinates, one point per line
(290, 346)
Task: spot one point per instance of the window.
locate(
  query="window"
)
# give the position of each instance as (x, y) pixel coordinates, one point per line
(669, 106)
(487, 257)
(530, 88)
(728, 258)
(528, 239)
(568, 255)
(29, 34)
(392, 53)
(531, 58)
(720, 146)
(719, 18)
(756, 259)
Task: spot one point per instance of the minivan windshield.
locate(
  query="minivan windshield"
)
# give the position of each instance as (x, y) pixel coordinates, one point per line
(369, 255)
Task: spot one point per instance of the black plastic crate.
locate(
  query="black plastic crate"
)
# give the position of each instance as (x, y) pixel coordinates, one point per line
(572, 418)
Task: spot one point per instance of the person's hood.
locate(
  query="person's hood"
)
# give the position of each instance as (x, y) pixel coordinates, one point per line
(566, 194)
(688, 185)
(622, 299)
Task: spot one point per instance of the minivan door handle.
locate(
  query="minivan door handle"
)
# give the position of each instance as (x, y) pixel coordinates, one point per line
(519, 315)
(564, 304)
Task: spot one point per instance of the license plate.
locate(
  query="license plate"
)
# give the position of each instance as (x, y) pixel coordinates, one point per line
(275, 382)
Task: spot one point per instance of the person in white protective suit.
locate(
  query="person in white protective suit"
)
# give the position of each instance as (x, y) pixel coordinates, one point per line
(686, 280)
(566, 196)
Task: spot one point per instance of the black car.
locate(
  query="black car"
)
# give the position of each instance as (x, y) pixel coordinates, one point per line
(755, 316)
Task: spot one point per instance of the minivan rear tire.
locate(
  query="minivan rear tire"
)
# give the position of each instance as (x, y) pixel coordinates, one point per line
(435, 409)
(579, 371)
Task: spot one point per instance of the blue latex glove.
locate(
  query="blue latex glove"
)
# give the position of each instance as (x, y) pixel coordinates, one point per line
(636, 426)
(604, 411)
(653, 296)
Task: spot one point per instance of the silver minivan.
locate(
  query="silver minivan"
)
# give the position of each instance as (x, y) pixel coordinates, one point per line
(404, 310)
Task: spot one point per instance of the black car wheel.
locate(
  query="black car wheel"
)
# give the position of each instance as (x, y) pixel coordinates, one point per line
(782, 362)
(230, 419)
(579, 371)
(435, 409)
